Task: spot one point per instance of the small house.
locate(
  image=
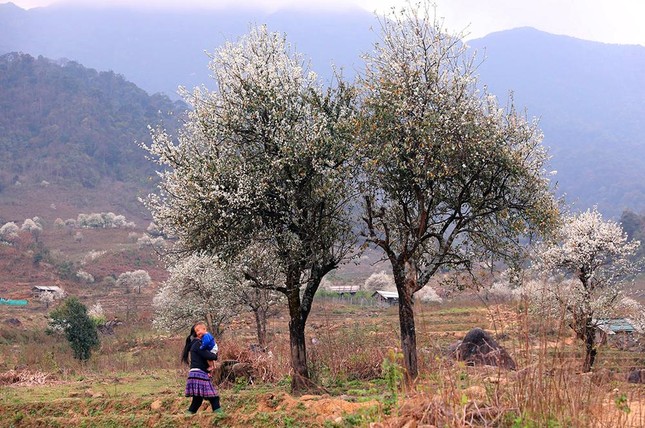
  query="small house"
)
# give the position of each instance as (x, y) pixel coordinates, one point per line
(386, 297)
(40, 289)
(344, 289)
(613, 327)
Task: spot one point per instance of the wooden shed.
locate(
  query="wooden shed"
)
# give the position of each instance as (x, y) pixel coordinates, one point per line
(40, 289)
(344, 289)
(386, 297)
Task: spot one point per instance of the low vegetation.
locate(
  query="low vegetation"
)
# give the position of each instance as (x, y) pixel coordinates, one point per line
(136, 379)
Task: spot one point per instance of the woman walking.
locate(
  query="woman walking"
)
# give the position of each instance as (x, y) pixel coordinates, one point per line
(199, 384)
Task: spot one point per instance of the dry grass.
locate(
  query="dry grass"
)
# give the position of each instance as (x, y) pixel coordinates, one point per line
(139, 366)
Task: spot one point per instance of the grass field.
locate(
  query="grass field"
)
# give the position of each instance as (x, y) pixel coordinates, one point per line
(136, 380)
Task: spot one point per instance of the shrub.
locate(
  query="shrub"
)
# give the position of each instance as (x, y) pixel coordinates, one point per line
(85, 276)
(72, 319)
(9, 232)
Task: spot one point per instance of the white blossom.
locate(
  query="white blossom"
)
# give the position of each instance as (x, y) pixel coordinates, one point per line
(590, 263)
(85, 276)
(9, 231)
(148, 241)
(449, 177)
(264, 159)
(96, 311)
(134, 280)
(31, 226)
(379, 281)
(102, 220)
(428, 295)
(197, 289)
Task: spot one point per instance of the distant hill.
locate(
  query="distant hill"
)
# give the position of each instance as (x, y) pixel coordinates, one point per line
(161, 50)
(74, 127)
(590, 99)
(589, 96)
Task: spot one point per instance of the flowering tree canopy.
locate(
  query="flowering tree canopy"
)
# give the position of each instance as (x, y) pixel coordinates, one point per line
(197, 289)
(134, 280)
(449, 176)
(9, 232)
(262, 159)
(202, 287)
(597, 255)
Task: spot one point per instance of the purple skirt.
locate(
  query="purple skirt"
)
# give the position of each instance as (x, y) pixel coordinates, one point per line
(199, 384)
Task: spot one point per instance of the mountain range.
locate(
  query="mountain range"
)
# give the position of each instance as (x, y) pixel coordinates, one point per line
(589, 97)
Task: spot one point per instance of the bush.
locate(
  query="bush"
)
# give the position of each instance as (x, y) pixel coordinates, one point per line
(72, 319)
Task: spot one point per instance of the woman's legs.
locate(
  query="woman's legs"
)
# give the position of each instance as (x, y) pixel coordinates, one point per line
(197, 402)
(214, 403)
(194, 405)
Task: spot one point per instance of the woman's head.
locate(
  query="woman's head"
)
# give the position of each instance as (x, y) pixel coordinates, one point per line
(196, 331)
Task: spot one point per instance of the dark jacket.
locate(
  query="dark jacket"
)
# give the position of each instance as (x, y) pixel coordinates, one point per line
(199, 357)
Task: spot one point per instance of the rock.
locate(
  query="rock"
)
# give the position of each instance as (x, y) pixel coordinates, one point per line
(479, 348)
(156, 405)
(242, 370)
(636, 376)
(15, 322)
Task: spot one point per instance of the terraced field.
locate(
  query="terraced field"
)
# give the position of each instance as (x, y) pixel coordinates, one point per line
(136, 380)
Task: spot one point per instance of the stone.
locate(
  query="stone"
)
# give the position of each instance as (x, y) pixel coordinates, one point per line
(15, 322)
(636, 376)
(479, 348)
(156, 405)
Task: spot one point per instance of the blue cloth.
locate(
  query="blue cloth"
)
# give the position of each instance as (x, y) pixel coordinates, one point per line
(208, 343)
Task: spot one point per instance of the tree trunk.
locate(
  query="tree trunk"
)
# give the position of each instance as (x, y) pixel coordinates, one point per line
(261, 325)
(408, 334)
(590, 348)
(300, 381)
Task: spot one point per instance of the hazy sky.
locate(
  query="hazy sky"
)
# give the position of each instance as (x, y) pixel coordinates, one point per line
(609, 21)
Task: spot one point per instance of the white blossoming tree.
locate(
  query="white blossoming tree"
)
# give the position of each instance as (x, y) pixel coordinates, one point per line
(262, 159)
(201, 287)
(9, 232)
(134, 280)
(197, 289)
(450, 177)
(379, 281)
(593, 260)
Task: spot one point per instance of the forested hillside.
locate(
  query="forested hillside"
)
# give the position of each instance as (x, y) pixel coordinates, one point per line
(63, 123)
(588, 96)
